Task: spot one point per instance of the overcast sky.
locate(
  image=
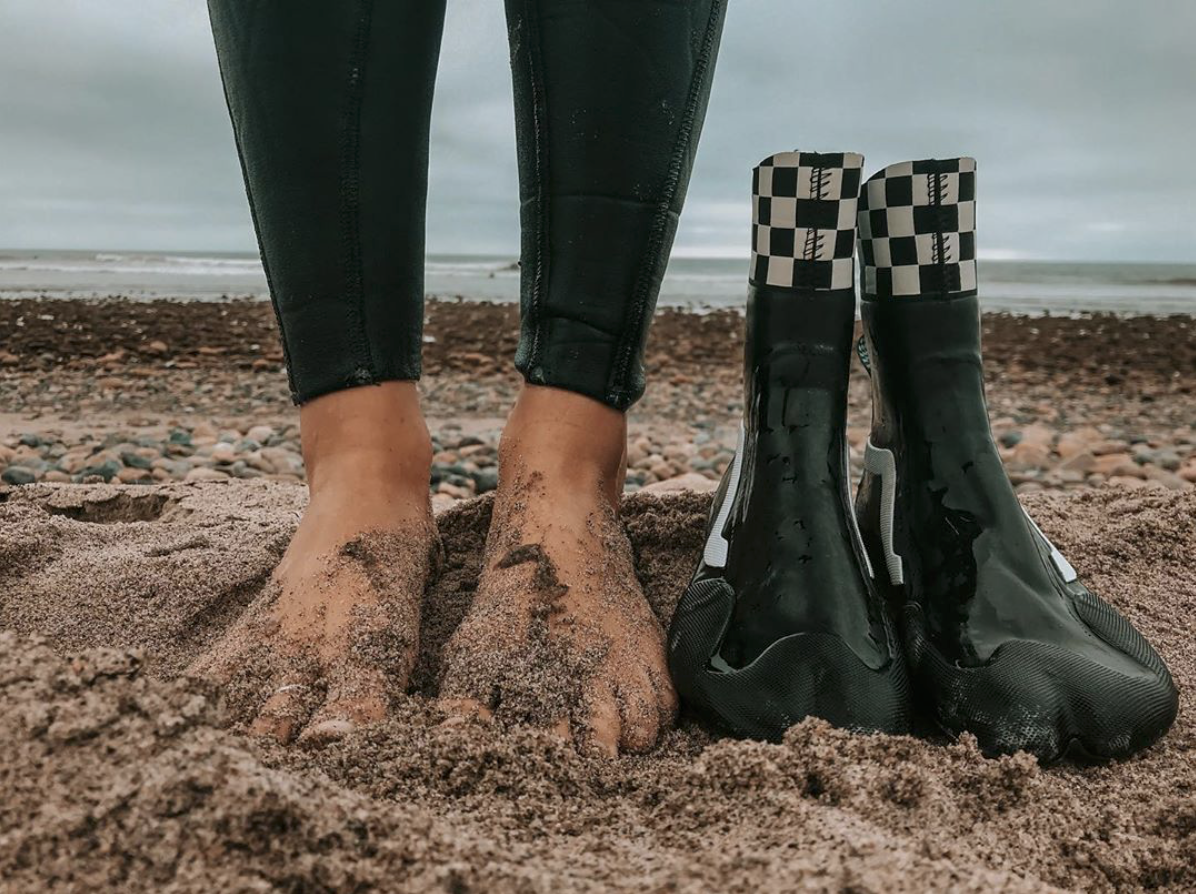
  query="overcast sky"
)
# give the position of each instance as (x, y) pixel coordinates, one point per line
(1082, 115)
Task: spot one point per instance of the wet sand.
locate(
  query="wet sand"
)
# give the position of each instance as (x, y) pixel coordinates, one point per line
(121, 774)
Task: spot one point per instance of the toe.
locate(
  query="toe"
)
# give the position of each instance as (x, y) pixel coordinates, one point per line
(639, 714)
(286, 710)
(355, 698)
(602, 727)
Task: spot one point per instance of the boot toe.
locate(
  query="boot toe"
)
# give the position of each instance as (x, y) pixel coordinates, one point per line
(1111, 699)
(799, 676)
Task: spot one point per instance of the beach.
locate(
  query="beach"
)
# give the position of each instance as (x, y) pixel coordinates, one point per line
(154, 391)
(121, 774)
(150, 479)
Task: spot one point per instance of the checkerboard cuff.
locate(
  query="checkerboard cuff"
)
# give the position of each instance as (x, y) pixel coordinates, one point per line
(917, 225)
(803, 220)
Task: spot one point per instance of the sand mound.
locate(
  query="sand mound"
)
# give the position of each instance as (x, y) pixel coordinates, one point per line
(120, 775)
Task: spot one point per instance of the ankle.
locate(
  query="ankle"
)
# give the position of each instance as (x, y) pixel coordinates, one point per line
(570, 440)
(371, 441)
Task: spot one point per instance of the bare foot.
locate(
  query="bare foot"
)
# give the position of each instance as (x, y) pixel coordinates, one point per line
(334, 637)
(560, 634)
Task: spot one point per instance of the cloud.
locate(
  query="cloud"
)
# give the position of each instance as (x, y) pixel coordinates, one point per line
(113, 131)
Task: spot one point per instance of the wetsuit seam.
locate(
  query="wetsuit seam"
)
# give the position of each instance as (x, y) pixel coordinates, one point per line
(617, 392)
(542, 234)
(350, 184)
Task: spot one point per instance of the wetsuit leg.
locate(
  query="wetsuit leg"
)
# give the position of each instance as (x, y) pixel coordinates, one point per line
(330, 103)
(610, 97)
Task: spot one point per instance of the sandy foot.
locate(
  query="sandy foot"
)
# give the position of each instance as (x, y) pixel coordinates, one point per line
(560, 634)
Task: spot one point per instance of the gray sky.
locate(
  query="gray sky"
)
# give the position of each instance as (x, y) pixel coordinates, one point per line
(1082, 115)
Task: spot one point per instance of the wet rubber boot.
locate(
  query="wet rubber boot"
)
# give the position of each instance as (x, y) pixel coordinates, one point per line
(1001, 638)
(782, 619)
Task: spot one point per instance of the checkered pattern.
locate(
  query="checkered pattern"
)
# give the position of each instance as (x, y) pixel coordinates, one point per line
(803, 220)
(918, 229)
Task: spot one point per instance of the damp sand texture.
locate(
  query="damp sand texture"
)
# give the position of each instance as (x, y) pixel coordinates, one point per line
(118, 773)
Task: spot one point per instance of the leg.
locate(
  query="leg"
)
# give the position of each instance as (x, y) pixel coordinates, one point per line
(610, 97)
(330, 103)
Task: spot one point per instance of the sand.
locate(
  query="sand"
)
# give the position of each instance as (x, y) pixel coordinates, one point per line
(120, 774)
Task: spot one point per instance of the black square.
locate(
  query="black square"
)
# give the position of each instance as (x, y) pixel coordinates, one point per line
(760, 273)
(967, 246)
(967, 186)
(851, 183)
(867, 253)
(899, 191)
(844, 242)
(818, 214)
(784, 182)
(903, 251)
(764, 214)
(884, 282)
(780, 242)
(813, 274)
(879, 221)
(936, 218)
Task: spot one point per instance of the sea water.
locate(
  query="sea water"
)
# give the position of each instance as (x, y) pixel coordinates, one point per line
(1027, 287)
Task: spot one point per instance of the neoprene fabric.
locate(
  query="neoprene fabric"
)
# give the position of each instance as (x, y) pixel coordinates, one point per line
(330, 103)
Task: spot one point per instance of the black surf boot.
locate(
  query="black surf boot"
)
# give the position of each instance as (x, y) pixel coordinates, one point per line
(782, 619)
(1000, 637)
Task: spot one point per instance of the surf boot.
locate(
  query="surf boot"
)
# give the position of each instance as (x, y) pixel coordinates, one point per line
(782, 619)
(1001, 638)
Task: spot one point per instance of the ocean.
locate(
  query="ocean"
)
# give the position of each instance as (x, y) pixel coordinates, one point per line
(1024, 287)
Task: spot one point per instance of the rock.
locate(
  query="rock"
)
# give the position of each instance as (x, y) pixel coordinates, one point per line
(1073, 443)
(1169, 480)
(1126, 481)
(30, 439)
(260, 433)
(133, 476)
(155, 348)
(18, 476)
(1080, 462)
(452, 490)
(1037, 433)
(1028, 455)
(204, 474)
(106, 470)
(1106, 463)
(203, 430)
(1188, 470)
(1010, 438)
(136, 460)
(688, 481)
(486, 480)
(54, 476)
(441, 502)
(224, 452)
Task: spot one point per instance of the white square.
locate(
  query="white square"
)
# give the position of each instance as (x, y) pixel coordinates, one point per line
(870, 280)
(765, 178)
(900, 220)
(876, 194)
(967, 164)
(925, 246)
(847, 209)
(763, 239)
(907, 280)
(901, 169)
(784, 213)
(967, 276)
(842, 273)
(880, 252)
(780, 272)
(967, 217)
(865, 225)
(828, 185)
(921, 189)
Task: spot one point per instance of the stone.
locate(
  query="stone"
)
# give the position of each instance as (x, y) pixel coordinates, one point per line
(688, 481)
(224, 452)
(133, 476)
(17, 476)
(260, 433)
(1107, 462)
(136, 460)
(486, 480)
(203, 474)
(1080, 462)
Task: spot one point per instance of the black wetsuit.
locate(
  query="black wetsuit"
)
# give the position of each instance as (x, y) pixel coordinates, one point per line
(330, 102)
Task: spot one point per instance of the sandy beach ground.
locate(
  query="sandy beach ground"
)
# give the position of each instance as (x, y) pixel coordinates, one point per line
(150, 481)
(118, 774)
